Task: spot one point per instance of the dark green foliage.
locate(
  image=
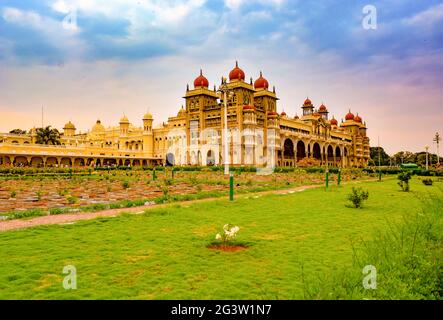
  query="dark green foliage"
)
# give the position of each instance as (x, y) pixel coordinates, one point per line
(428, 182)
(403, 180)
(48, 136)
(357, 196)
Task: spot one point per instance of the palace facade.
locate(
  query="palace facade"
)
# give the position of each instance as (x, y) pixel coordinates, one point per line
(257, 134)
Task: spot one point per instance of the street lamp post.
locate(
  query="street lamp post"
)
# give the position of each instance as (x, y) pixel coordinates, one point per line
(437, 140)
(427, 152)
(224, 90)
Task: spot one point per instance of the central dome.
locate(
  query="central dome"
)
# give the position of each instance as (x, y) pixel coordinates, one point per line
(237, 73)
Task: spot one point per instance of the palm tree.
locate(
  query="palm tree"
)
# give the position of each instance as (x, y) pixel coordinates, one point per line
(18, 131)
(47, 136)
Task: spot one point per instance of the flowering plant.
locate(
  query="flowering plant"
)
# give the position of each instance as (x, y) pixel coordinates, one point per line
(228, 234)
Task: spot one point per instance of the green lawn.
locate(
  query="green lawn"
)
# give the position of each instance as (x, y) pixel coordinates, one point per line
(295, 240)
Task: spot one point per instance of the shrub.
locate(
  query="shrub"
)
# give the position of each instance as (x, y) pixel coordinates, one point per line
(125, 184)
(13, 194)
(72, 200)
(428, 182)
(403, 182)
(228, 234)
(357, 196)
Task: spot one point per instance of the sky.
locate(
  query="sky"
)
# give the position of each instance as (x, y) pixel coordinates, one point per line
(99, 59)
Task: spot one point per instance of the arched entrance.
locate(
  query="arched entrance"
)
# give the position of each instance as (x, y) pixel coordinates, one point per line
(20, 161)
(210, 158)
(288, 153)
(301, 150)
(338, 158)
(36, 162)
(51, 162)
(65, 162)
(316, 151)
(79, 162)
(170, 159)
(330, 153)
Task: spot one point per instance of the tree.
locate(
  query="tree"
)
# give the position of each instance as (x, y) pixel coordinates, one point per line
(18, 131)
(48, 136)
(384, 157)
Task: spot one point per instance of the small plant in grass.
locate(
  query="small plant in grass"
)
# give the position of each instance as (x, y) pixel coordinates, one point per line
(72, 200)
(357, 196)
(13, 194)
(428, 182)
(403, 180)
(165, 191)
(168, 182)
(228, 235)
(125, 184)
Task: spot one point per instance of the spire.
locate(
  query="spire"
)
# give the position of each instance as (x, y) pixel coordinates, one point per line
(201, 72)
(251, 80)
(261, 74)
(273, 89)
(187, 87)
(236, 63)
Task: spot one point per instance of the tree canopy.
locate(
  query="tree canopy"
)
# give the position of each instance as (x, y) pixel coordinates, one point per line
(48, 136)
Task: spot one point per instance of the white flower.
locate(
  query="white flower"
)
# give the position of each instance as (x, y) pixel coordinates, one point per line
(218, 236)
(225, 227)
(235, 229)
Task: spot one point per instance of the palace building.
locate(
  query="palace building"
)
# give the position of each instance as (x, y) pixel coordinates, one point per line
(257, 135)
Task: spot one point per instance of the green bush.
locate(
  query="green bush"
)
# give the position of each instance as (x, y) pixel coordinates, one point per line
(125, 184)
(428, 182)
(357, 196)
(404, 178)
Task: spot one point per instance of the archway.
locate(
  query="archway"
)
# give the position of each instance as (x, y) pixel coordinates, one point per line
(330, 153)
(316, 151)
(65, 162)
(79, 162)
(338, 158)
(51, 162)
(36, 162)
(301, 150)
(170, 159)
(288, 152)
(136, 163)
(210, 158)
(20, 161)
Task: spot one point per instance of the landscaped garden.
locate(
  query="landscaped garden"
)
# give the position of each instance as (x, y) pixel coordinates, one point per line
(31, 192)
(311, 244)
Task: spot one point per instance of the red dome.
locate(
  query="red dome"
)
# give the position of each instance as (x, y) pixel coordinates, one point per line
(307, 102)
(296, 117)
(316, 114)
(349, 116)
(334, 122)
(283, 114)
(357, 119)
(261, 83)
(272, 114)
(322, 108)
(236, 73)
(201, 81)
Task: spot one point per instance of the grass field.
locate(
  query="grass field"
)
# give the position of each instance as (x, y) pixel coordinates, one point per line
(296, 242)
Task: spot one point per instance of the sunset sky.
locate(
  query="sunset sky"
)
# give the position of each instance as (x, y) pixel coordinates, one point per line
(130, 56)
